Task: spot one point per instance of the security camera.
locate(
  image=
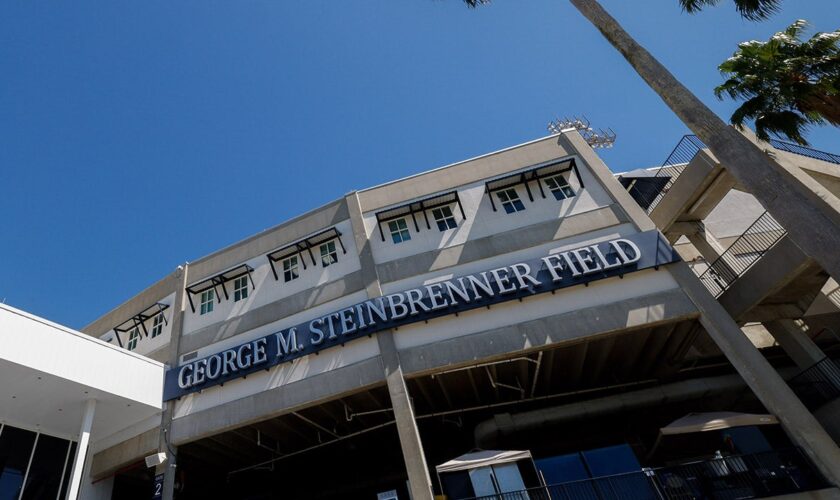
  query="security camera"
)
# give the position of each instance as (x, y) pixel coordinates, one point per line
(155, 460)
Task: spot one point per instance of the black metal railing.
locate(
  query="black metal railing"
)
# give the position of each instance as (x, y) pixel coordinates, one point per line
(819, 384)
(758, 475)
(673, 166)
(687, 149)
(803, 151)
(745, 251)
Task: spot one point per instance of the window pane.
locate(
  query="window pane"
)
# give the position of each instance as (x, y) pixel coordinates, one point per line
(611, 460)
(44, 477)
(482, 481)
(457, 484)
(508, 478)
(15, 449)
(563, 468)
(67, 470)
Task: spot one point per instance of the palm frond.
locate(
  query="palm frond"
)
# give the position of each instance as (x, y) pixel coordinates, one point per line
(754, 10)
(786, 83)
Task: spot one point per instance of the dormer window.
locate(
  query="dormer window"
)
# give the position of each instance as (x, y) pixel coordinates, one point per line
(329, 255)
(133, 338)
(554, 175)
(444, 218)
(150, 316)
(157, 325)
(559, 187)
(294, 254)
(510, 200)
(207, 298)
(399, 230)
(240, 288)
(216, 286)
(440, 205)
(291, 269)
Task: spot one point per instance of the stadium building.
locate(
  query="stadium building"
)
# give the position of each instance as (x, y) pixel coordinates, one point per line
(520, 325)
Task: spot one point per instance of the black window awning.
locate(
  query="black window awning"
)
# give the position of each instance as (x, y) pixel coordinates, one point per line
(534, 174)
(304, 245)
(218, 280)
(139, 320)
(419, 206)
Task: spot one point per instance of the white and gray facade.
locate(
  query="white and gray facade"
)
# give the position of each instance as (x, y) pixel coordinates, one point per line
(350, 350)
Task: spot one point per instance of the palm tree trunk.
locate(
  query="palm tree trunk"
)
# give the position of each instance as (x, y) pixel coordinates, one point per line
(812, 222)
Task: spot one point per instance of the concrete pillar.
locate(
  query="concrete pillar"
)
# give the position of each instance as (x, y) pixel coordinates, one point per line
(711, 252)
(102, 489)
(420, 483)
(795, 341)
(81, 450)
(773, 392)
(419, 480)
(169, 467)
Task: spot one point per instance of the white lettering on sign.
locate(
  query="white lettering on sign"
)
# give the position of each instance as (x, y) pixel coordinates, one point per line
(396, 308)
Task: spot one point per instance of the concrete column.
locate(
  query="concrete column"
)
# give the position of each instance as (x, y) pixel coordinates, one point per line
(773, 392)
(700, 240)
(412, 447)
(795, 341)
(169, 467)
(420, 483)
(81, 450)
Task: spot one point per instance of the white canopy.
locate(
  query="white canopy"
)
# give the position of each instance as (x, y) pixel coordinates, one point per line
(701, 422)
(482, 459)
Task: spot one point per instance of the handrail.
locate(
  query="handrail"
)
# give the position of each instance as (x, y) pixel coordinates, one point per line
(674, 164)
(755, 475)
(805, 151)
(745, 251)
(688, 147)
(818, 384)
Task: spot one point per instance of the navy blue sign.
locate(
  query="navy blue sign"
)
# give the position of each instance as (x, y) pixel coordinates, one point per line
(157, 492)
(522, 279)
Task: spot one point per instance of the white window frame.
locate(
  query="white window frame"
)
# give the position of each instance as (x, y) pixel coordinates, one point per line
(207, 298)
(157, 325)
(561, 189)
(291, 268)
(399, 230)
(329, 253)
(444, 221)
(240, 288)
(508, 198)
(133, 338)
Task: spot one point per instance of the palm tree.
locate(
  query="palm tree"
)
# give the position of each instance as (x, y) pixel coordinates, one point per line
(788, 84)
(812, 222)
(749, 9)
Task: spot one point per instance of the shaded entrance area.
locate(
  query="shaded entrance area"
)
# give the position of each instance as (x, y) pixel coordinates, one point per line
(584, 410)
(342, 449)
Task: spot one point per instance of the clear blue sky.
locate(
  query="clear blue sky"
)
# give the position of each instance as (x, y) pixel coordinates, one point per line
(135, 136)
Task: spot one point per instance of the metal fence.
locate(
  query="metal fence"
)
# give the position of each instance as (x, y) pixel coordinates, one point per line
(803, 151)
(818, 384)
(758, 475)
(677, 161)
(690, 145)
(745, 251)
